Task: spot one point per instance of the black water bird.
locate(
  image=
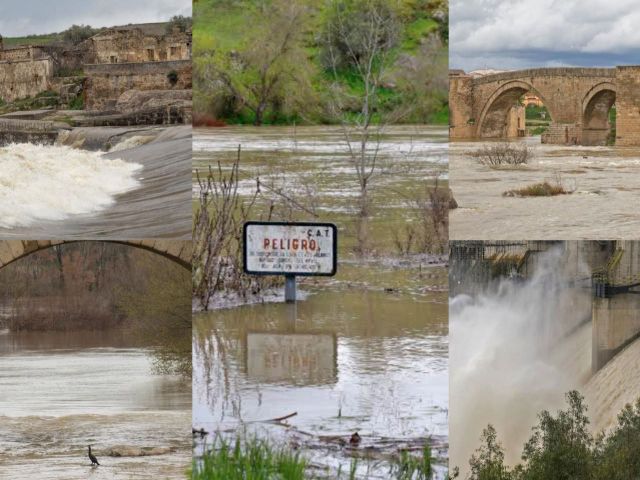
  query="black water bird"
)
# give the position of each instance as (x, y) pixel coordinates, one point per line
(92, 457)
(355, 439)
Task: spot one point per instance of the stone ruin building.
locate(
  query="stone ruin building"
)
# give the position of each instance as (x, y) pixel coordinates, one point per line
(133, 74)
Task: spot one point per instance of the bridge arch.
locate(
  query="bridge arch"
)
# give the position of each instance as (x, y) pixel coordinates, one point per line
(493, 119)
(596, 105)
(176, 251)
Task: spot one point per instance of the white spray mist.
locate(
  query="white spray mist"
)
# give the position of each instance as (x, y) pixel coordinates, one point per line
(516, 351)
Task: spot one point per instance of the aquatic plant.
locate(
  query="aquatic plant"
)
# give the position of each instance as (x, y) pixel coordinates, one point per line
(543, 189)
(253, 458)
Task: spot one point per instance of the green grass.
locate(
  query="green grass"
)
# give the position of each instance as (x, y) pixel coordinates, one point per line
(259, 460)
(253, 459)
(217, 26)
(441, 117)
(415, 32)
(224, 25)
(539, 130)
(45, 39)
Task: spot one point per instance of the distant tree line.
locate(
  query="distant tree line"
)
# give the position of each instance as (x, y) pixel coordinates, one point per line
(101, 285)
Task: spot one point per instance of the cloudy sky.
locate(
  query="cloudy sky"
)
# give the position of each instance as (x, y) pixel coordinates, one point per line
(25, 17)
(513, 34)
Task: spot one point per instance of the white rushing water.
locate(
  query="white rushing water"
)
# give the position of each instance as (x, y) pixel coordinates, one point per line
(514, 352)
(41, 183)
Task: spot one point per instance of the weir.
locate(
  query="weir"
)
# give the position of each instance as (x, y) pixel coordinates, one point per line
(29, 131)
(614, 281)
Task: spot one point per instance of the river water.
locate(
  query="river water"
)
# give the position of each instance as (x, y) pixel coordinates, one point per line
(139, 190)
(60, 392)
(312, 164)
(350, 357)
(603, 181)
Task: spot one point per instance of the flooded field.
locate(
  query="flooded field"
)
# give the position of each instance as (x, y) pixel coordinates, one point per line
(366, 351)
(603, 181)
(139, 190)
(312, 164)
(60, 392)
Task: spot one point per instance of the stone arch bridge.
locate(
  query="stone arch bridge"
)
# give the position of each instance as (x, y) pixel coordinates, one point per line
(176, 251)
(578, 100)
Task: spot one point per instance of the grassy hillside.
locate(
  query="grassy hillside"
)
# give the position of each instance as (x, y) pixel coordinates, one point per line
(45, 39)
(224, 27)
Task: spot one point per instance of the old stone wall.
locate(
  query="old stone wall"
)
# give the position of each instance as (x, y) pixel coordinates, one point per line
(134, 45)
(22, 53)
(106, 82)
(19, 79)
(563, 134)
(578, 100)
(628, 106)
(516, 122)
(32, 131)
(461, 120)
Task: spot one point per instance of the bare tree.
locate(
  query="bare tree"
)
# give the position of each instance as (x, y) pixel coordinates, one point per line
(272, 62)
(359, 38)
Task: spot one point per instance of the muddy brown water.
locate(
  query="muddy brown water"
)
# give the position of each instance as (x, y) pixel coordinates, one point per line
(60, 392)
(351, 356)
(603, 181)
(312, 164)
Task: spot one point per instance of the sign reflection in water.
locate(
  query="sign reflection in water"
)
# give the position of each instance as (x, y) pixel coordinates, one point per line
(292, 358)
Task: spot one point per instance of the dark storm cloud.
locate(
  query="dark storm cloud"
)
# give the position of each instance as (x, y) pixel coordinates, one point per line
(509, 34)
(25, 17)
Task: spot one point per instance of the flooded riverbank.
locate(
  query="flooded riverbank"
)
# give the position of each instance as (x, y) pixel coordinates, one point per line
(147, 196)
(312, 164)
(366, 351)
(602, 180)
(62, 391)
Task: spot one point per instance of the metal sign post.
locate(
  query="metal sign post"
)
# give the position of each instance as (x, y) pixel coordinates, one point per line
(290, 249)
(290, 288)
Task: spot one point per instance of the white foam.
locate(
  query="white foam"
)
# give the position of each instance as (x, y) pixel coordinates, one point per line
(40, 183)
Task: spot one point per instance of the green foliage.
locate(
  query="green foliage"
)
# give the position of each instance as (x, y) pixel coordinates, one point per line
(268, 64)
(561, 447)
(409, 467)
(616, 457)
(77, 103)
(533, 112)
(352, 27)
(172, 76)
(159, 306)
(180, 22)
(228, 80)
(78, 33)
(251, 459)
(488, 461)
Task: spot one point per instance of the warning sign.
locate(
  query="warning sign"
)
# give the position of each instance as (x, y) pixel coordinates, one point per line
(272, 248)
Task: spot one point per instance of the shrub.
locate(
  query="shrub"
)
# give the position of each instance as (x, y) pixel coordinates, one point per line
(503, 154)
(543, 189)
(172, 76)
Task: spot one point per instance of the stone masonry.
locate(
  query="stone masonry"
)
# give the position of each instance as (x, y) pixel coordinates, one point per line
(578, 100)
(106, 82)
